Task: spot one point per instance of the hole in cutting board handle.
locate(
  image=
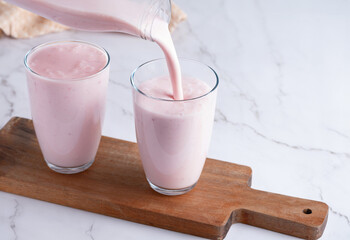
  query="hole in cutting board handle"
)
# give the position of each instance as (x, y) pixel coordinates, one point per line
(307, 211)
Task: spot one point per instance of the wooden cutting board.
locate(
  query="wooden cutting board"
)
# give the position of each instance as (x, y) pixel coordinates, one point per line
(115, 185)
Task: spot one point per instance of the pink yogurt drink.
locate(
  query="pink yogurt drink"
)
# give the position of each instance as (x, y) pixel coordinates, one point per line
(173, 136)
(67, 83)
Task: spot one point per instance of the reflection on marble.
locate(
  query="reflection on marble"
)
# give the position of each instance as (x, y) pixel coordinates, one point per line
(282, 109)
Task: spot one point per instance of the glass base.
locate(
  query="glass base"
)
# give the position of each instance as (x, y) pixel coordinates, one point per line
(170, 192)
(69, 170)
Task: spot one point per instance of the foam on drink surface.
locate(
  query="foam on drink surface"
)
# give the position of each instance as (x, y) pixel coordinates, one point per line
(161, 89)
(67, 61)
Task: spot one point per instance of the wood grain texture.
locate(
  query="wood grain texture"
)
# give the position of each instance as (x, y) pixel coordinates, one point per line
(115, 185)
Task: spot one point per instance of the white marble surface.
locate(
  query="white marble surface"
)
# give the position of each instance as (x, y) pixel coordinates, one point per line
(283, 109)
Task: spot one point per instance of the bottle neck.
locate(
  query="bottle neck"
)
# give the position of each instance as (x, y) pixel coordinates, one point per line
(157, 9)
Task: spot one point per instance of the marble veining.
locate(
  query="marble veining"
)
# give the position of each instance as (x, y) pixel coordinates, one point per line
(282, 109)
(221, 117)
(340, 215)
(89, 232)
(212, 58)
(11, 91)
(13, 218)
(276, 56)
(339, 133)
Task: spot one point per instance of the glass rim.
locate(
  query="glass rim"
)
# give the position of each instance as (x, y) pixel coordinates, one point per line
(132, 77)
(32, 50)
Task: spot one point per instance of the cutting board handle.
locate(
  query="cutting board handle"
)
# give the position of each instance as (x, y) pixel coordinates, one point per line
(289, 215)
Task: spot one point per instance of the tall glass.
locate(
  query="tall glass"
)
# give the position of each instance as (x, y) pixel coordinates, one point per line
(68, 113)
(173, 136)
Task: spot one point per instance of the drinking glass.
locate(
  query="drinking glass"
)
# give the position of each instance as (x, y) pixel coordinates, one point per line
(173, 136)
(68, 113)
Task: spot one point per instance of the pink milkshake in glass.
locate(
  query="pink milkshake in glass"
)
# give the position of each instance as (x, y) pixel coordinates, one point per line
(173, 136)
(67, 84)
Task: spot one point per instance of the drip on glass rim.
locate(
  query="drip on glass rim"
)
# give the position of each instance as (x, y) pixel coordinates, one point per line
(31, 51)
(132, 77)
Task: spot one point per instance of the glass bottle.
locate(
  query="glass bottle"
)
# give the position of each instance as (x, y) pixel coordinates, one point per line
(133, 17)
